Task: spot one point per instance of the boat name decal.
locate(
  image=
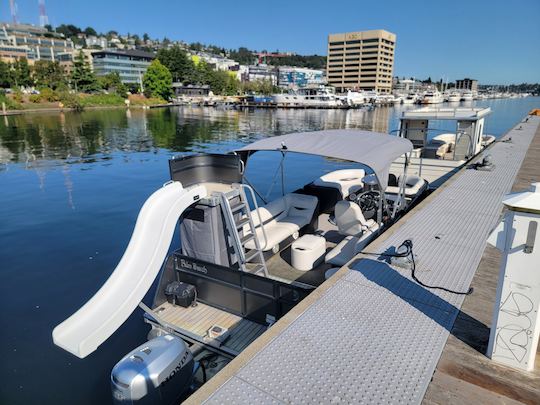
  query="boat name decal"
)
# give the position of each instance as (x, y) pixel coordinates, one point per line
(193, 266)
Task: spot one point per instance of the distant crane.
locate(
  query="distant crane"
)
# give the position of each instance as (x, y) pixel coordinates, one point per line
(13, 7)
(43, 19)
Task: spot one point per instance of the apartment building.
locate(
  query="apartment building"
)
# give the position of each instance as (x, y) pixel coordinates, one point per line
(362, 60)
(130, 65)
(33, 43)
(467, 84)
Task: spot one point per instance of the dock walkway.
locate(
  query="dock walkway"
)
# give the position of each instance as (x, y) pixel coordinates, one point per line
(371, 334)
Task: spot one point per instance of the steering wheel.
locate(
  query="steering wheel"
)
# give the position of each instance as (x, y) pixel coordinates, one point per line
(367, 201)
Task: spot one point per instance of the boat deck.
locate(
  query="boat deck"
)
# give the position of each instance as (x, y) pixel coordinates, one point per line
(199, 319)
(371, 334)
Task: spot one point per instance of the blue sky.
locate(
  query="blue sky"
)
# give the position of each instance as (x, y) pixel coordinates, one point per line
(495, 41)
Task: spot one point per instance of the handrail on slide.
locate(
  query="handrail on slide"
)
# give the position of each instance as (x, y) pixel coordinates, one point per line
(250, 189)
(109, 308)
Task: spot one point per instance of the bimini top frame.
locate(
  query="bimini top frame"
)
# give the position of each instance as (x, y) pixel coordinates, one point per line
(461, 114)
(372, 149)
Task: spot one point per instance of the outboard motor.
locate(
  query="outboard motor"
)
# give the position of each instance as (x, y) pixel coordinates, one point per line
(157, 372)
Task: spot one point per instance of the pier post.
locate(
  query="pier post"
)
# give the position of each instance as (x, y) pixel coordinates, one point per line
(515, 327)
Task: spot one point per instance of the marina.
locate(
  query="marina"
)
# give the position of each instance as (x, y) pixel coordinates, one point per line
(219, 122)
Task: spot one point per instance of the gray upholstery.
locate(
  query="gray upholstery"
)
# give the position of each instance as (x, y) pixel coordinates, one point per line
(281, 218)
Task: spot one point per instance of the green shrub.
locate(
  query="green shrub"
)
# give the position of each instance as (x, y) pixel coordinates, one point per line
(71, 100)
(48, 95)
(35, 98)
(18, 96)
(10, 103)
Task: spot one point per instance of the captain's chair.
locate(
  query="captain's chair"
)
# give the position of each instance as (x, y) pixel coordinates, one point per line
(359, 231)
(350, 220)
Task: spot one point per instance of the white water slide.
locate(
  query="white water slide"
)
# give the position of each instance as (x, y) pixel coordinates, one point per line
(110, 307)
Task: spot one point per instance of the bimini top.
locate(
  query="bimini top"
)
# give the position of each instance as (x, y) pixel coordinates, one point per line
(373, 149)
(461, 114)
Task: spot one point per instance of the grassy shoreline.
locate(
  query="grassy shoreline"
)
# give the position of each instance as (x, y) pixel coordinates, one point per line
(76, 102)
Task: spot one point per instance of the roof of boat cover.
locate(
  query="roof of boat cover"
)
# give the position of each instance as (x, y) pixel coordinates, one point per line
(372, 149)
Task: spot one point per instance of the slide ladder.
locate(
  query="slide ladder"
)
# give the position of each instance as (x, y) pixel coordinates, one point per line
(109, 308)
(237, 216)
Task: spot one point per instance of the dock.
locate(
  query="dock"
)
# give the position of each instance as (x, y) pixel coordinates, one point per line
(372, 334)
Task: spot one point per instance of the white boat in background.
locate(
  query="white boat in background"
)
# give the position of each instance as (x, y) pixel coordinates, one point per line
(467, 96)
(454, 97)
(432, 97)
(313, 96)
(410, 98)
(437, 156)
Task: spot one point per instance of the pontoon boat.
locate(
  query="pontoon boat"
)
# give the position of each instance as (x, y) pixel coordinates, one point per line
(243, 262)
(437, 154)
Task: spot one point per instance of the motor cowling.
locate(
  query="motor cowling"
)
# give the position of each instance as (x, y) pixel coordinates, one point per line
(157, 372)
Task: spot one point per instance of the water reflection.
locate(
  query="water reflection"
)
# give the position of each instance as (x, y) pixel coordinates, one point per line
(95, 135)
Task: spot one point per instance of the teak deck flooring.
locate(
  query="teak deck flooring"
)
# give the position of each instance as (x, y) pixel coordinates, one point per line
(199, 319)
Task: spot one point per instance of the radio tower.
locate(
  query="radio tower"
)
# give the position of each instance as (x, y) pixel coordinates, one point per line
(43, 19)
(13, 7)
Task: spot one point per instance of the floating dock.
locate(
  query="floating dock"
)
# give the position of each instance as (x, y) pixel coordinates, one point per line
(371, 334)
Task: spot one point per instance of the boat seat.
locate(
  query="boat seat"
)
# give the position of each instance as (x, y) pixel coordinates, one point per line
(281, 219)
(347, 181)
(351, 221)
(413, 185)
(359, 231)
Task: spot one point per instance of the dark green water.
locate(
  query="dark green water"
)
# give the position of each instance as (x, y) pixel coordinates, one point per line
(71, 186)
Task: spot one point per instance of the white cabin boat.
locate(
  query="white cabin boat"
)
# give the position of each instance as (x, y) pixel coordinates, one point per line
(437, 154)
(467, 96)
(432, 97)
(454, 97)
(313, 96)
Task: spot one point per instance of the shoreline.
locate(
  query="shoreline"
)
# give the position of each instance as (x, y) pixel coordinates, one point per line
(67, 109)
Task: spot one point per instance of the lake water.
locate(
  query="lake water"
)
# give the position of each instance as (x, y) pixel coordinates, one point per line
(71, 186)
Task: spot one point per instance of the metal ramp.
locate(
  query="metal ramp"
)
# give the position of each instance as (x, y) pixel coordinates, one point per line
(375, 335)
(237, 215)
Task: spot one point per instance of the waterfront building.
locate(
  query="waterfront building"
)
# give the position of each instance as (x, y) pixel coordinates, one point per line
(362, 60)
(292, 77)
(35, 43)
(261, 72)
(131, 65)
(66, 59)
(190, 90)
(467, 84)
(404, 86)
(94, 41)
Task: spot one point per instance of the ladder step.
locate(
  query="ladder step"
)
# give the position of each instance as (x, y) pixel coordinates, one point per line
(251, 254)
(247, 238)
(237, 207)
(257, 269)
(243, 221)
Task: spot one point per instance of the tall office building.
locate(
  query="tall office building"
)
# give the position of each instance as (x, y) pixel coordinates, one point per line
(362, 60)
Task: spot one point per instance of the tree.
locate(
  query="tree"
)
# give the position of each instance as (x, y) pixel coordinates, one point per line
(90, 31)
(21, 73)
(82, 77)
(157, 80)
(68, 30)
(112, 82)
(49, 74)
(145, 37)
(178, 63)
(243, 56)
(6, 75)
